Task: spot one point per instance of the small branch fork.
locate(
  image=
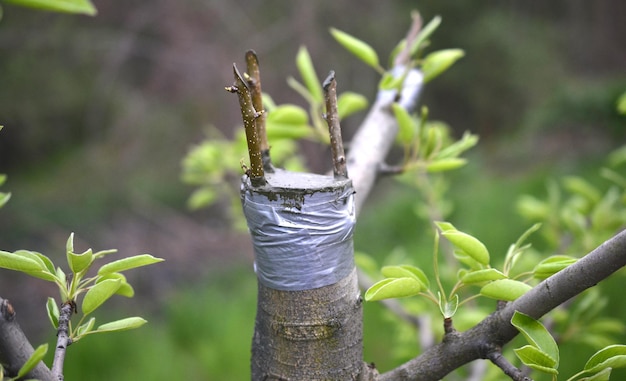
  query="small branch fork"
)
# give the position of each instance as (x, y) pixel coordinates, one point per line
(495, 355)
(332, 119)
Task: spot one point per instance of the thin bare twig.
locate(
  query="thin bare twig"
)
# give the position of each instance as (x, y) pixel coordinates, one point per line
(249, 115)
(509, 369)
(332, 119)
(404, 57)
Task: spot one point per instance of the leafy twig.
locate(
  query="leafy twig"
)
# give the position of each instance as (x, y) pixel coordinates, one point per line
(63, 339)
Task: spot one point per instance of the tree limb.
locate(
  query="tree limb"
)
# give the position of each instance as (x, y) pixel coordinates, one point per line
(496, 329)
(15, 348)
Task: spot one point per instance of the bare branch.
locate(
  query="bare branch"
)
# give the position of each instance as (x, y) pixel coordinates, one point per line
(254, 83)
(15, 348)
(249, 115)
(332, 119)
(509, 369)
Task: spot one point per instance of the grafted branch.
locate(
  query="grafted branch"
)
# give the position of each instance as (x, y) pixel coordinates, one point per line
(332, 119)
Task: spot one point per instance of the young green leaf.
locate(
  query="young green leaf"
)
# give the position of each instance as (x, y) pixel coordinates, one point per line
(32, 362)
(360, 49)
(407, 126)
(445, 226)
(504, 289)
(53, 312)
(425, 34)
(125, 288)
(67, 6)
(122, 325)
(393, 288)
(3, 177)
(603, 375)
(85, 329)
(583, 188)
(484, 275)
(44, 265)
(532, 208)
(308, 74)
(128, 263)
(468, 244)
(437, 62)
(390, 82)
(535, 358)
(613, 356)
(537, 335)
(349, 103)
(455, 149)
(98, 294)
(406, 271)
(552, 265)
(79, 262)
(11, 261)
(446, 164)
(4, 198)
(288, 122)
(449, 307)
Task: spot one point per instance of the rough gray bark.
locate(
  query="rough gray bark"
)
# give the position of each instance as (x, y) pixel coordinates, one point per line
(15, 348)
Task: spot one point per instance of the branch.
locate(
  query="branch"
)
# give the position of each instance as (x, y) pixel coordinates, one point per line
(63, 338)
(509, 369)
(254, 83)
(249, 115)
(496, 329)
(332, 119)
(15, 348)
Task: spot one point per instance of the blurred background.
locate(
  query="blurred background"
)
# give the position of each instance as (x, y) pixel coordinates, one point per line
(99, 113)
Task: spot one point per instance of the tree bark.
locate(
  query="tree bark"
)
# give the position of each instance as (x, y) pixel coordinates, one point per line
(15, 348)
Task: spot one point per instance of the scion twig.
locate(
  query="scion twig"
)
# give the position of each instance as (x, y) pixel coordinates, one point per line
(249, 115)
(332, 119)
(253, 79)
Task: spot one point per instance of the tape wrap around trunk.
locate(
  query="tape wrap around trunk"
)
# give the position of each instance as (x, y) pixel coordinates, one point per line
(301, 227)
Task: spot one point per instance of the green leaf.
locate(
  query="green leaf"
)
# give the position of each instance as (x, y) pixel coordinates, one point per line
(481, 276)
(390, 82)
(437, 62)
(405, 271)
(85, 328)
(288, 122)
(349, 103)
(445, 226)
(468, 244)
(425, 34)
(552, 265)
(537, 335)
(307, 72)
(202, 197)
(4, 198)
(447, 164)
(360, 49)
(581, 187)
(122, 325)
(621, 104)
(449, 307)
(80, 262)
(3, 177)
(613, 356)
(53, 312)
(44, 263)
(32, 362)
(455, 149)
(407, 126)
(98, 294)
(67, 6)
(603, 375)
(504, 289)
(11, 261)
(125, 288)
(128, 263)
(527, 234)
(535, 358)
(393, 288)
